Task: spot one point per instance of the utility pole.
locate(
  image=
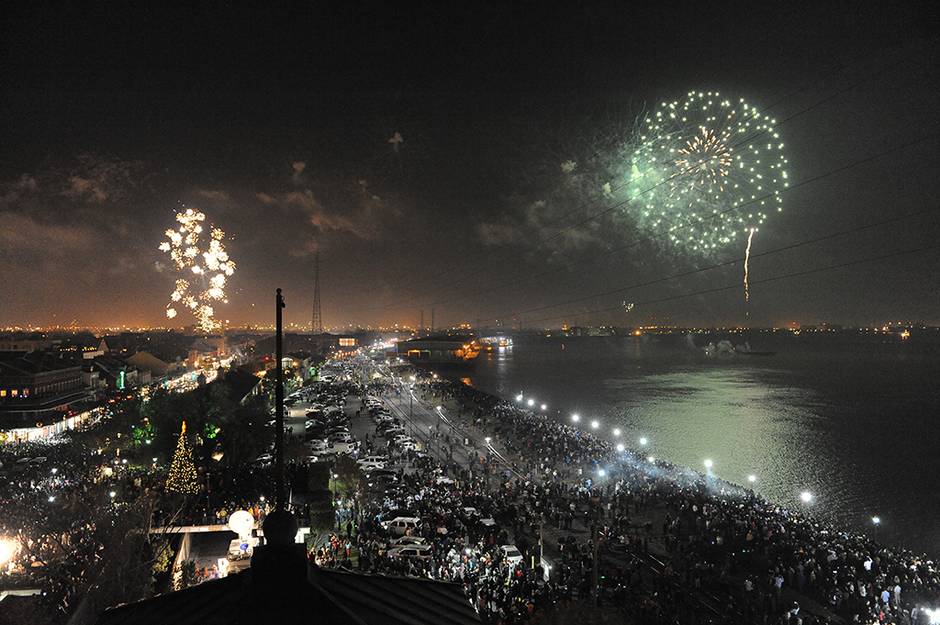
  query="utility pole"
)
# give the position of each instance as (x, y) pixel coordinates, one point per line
(279, 403)
(432, 320)
(316, 323)
(421, 325)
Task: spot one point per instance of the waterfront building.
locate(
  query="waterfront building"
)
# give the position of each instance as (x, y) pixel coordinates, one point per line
(38, 387)
(441, 349)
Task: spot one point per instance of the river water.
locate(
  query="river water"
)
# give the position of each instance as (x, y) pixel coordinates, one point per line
(851, 418)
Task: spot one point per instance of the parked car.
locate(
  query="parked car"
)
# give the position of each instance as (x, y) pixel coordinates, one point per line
(316, 445)
(343, 447)
(400, 526)
(408, 540)
(366, 459)
(511, 554)
(422, 552)
(368, 467)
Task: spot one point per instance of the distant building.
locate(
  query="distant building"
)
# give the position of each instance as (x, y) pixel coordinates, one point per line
(442, 349)
(158, 368)
(205, 352)
(38, 387)
(24, 344)
(118, 374)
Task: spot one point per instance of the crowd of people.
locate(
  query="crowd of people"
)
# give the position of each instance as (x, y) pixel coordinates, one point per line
(759, 559)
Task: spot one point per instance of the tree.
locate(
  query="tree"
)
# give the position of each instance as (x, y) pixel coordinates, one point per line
(245, 433)
(182, 477)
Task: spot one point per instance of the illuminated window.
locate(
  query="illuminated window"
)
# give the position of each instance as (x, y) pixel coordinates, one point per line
(14, 393)
(3, 392)
(25, 392)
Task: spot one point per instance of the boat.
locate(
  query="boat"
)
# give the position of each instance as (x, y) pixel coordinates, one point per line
(745, 350)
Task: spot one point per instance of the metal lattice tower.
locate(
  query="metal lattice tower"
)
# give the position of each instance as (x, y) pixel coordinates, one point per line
(316, 324)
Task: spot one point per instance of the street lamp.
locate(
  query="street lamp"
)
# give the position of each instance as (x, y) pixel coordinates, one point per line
(752, 478)
(650, 459)
(806, 496)
(595, 424)
(531, 402)
(519, 397)
(544, 407)
(601, 472)
(876, 520)
(112, 494)
(575, 417)
(620, 447)
(643, 440)
(616, 431)
(8, 549)
(709, 464)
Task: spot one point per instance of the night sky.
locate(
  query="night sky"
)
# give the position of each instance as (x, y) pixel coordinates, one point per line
(277, 125)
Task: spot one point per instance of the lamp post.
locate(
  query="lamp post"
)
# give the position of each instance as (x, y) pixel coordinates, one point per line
(279, 402)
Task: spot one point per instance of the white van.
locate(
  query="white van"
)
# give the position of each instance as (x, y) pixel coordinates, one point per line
(399, 526)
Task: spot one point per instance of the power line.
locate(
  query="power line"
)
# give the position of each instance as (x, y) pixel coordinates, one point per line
(802, 183)
(622, 203)
(736, 285)
(727, 263)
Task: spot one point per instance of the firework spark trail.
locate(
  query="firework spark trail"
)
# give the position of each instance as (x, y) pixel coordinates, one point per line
(747, 260)
(203, 273)
(705, 155)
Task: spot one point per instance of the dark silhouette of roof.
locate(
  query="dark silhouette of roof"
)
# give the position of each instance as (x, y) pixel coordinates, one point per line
(240, 383)
(329, 596)
(379, 599)
(32, 363)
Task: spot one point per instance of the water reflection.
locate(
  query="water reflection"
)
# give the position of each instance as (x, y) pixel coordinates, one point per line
(852, 425)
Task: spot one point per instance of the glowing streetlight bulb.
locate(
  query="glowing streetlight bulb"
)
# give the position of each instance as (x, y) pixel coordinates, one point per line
(112, 494)
(531, 402)
(575, 417)
(709, 464)
(519, 397)
(806, 496)
(751, 478)
(51, 498)
(8, 549)
(644, 440)
(595, 424)
(543, 407)
(616, 431)
(876, 520)
(601, 472)
(620, 447)
(650, 459)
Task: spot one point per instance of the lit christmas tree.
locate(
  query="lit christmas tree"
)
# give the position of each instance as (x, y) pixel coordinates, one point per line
(182, 477)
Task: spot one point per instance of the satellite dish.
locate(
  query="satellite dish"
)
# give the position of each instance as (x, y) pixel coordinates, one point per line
(241, 522)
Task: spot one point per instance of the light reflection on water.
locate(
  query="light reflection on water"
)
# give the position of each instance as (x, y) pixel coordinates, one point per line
(853, 424)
